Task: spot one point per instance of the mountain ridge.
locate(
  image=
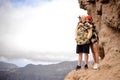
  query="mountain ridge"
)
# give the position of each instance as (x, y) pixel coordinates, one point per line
(38, 72)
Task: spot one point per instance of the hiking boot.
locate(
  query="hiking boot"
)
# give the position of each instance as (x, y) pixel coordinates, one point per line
(96, 66)
(78, 67)
(86, 66)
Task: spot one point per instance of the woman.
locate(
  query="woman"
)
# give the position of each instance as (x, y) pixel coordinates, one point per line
(82, 44)
(94, 42)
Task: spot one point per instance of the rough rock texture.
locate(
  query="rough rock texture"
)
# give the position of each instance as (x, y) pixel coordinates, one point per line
(106, 16)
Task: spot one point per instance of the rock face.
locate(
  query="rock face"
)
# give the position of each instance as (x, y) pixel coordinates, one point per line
(106, 16)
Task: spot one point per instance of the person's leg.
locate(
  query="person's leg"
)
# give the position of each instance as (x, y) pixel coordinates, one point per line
(86, 52)
(95, 52)
(86, 58)
(79, 51)
(79, 59)
(95, 55)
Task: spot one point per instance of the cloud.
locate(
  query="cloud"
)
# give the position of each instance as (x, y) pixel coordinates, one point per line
(40, 33)
(19, 3)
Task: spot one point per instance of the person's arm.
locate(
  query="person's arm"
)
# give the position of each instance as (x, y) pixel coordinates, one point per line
(78, 25)
(76, 31)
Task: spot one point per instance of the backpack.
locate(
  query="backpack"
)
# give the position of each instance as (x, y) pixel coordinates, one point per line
(83, 35)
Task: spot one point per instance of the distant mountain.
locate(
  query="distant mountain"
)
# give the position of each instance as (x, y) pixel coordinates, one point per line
(6, 66)
(39, 72)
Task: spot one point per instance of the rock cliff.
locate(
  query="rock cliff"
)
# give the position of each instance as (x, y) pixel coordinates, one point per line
(106, 16)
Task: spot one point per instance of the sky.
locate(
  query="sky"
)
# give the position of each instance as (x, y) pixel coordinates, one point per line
(38, 31)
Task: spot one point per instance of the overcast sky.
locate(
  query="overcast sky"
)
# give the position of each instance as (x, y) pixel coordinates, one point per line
(38, 31)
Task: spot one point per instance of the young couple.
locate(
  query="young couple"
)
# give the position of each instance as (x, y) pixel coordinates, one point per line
(86, 36)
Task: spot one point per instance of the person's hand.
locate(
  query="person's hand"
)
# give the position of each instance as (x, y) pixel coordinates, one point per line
(76, 38)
